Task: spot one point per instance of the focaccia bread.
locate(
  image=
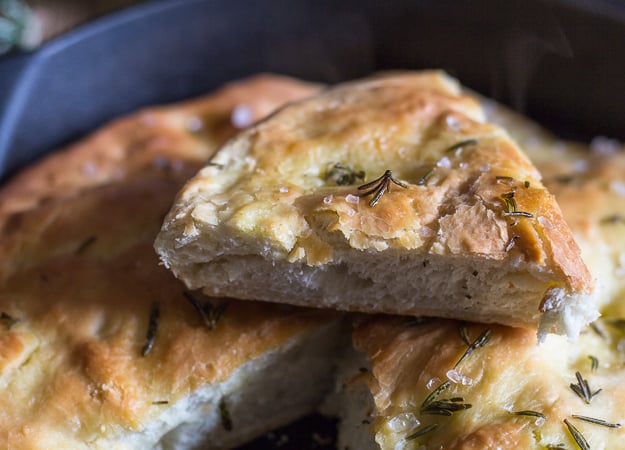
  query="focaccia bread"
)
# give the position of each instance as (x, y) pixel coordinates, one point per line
(102, 348)
(458, 225)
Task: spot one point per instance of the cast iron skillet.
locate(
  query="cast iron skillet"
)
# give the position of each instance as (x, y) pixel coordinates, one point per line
(561, 61)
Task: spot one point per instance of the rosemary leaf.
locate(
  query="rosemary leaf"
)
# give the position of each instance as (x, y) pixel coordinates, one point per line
(504, 180)
(462, 144)
(518, 214)
(511, 242)
(8, 320)
(152, 327)
(613, 219)
(479, 342)
(209, 314)
(597, 421)
(160, 402)
(85, 245)
(527, 412)
(224, 415)
(421, 431)
(464, 334)
(594, 363)
(577, 435)
(526, 184)
(424, 179)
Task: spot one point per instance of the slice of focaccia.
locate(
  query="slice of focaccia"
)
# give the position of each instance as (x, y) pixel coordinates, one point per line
(385, 195)
(102, 348)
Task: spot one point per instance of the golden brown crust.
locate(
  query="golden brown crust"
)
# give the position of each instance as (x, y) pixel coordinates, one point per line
(268, 197)
(79, 278)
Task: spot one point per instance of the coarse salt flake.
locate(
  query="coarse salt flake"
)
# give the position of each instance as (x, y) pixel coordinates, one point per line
(242, 116)
(457, 378)
(353, 199)
(618, 187)
(444, 162)
(328, 199)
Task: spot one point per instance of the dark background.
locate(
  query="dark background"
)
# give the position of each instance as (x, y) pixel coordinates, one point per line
(560, 61)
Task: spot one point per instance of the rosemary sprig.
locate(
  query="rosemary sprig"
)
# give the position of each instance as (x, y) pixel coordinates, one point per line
(84, 245)
(152, 327)
(462, 144)
(601, 422)
(594, 363)
(8, 321)
(209, 314)
(582, 389)
(343, 174)
(581, 441)
(443, 407)
(379, 187)
(224, 415)
(435, 393)
(527, 412)
(479, 342)
(421, 431)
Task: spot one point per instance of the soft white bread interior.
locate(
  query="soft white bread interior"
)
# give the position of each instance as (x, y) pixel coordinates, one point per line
(468, 231)
(101, 347)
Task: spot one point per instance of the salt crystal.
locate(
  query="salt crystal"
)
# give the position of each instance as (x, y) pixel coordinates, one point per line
(444, 162)
(284, 189)
(618, 187)
(353, 199)
(351, 212)
(194, 124)
(430, 384)
(90, 169)
(540, 421)
(463, 165)
(242, 116)
(604, 146)
(485, 168)
(328, 199)
(457, 378)
(581, 165)
(452, 122)
(403, 422)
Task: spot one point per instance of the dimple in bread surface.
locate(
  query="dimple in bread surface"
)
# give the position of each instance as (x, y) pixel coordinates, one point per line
(267, 201)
